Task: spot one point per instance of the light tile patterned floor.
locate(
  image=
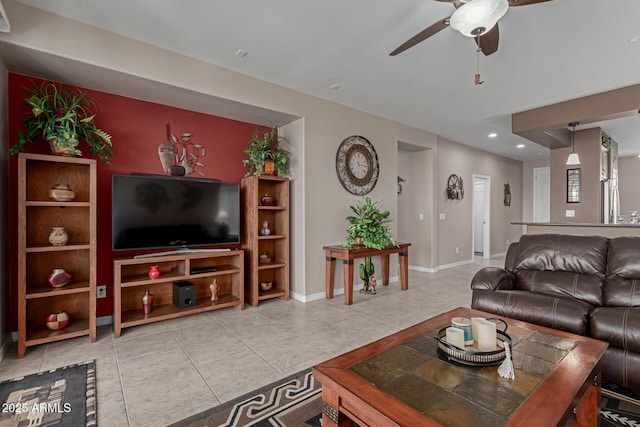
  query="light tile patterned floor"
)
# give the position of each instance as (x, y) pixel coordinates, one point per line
(157, 374)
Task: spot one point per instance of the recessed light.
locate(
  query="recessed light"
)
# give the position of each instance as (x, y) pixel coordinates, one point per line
(520, 145)
(492, 135)
(635, 38)
(335, 86)
(241, 53)
(638, 155)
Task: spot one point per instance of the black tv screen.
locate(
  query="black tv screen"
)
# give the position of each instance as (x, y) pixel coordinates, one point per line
(156, 211)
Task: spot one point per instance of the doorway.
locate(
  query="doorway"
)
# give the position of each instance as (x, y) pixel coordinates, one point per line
(541, 194)
(481, 226)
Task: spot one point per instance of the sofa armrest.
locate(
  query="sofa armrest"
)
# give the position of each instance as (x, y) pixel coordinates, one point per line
(493, 278)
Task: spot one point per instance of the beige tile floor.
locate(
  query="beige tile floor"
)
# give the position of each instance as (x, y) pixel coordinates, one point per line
(157, 374)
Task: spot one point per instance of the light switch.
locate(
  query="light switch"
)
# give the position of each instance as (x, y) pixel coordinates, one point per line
(442, 216)
(570, 213)
(421, 217)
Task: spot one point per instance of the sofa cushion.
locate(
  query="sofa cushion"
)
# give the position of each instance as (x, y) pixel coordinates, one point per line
(563, 252)
(584, 287)
(619, 326)
(622, 286)
(621, 367)
(563, 265)
(566, 314)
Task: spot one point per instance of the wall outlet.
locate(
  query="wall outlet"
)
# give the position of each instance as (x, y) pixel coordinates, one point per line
(442, 216)
(507, 243)
(101, 291)
(421, 217)
(570, 213)
(457, 249)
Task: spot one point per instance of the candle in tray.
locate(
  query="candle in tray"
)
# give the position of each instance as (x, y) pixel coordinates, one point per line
(455, 337)
(487, 335)
(464, 324)
(474, 327)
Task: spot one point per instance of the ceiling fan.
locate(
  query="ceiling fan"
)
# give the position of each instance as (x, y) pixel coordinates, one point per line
(473, 18)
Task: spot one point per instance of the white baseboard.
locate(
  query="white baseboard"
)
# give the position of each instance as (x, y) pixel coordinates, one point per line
(423, 269)
(455, 264)
(336, 291)
(104, 320)
(498, 255)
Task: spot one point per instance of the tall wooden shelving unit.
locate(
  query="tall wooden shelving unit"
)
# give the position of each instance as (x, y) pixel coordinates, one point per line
(276, 244)
(37, 214)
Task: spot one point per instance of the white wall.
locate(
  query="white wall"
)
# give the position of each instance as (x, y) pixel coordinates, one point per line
(527, 187)
(628, 177)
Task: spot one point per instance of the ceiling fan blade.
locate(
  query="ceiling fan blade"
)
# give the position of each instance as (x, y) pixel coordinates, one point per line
(514, 3)
(488, 42)
(422, 35)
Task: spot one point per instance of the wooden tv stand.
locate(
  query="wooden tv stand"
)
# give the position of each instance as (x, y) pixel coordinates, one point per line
(131, 280)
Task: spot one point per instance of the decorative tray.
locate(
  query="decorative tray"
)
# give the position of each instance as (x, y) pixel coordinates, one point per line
(471, 355)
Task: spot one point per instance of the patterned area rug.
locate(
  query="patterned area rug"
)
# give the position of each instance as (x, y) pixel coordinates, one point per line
(296, 401)
(60, 397)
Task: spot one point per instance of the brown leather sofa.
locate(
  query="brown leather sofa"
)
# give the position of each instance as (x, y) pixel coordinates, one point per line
(587, 285)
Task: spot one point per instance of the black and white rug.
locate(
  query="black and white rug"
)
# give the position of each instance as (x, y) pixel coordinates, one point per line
(60, 397)
(296, 401)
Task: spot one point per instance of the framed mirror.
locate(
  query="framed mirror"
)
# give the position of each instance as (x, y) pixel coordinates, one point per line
(573, 185)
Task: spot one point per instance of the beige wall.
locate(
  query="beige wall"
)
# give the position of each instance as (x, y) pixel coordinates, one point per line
(319, 203)
(4, 254)
(456, 229)
(628, 179)
(587, 145)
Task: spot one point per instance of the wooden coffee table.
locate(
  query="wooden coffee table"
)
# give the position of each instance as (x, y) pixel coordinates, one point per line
(403, 380)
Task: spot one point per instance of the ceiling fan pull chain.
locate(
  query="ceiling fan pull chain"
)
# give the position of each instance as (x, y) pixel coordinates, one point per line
(478, 50)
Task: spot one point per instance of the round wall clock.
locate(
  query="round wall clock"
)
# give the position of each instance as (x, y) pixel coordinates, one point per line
(357, 165)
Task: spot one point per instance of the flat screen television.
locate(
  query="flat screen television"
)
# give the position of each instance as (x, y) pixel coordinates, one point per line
(157, 211)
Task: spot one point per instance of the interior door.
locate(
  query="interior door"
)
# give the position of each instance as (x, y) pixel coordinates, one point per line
(478, 217)
(541, 194)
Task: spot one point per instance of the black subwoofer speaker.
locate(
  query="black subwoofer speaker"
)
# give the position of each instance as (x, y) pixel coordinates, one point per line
(184, 294)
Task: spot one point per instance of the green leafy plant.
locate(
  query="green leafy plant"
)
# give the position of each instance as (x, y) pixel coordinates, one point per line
(63, 117)
(264, 147)
(370, 224)
(605, 141)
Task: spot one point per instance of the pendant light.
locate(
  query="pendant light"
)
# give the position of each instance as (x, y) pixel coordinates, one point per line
(573, 159)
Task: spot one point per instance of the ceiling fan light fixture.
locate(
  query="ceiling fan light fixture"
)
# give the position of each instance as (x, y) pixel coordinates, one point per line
(478, 16)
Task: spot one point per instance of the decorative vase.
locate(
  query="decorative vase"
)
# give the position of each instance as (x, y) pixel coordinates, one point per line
(60, 149)
(57, 321)
(265, 231)
(61, 193)
(269, 167)
(58, 278)
(265, 258)
(58, 236)
(154, 273)
(358, 241)
(266, 200)
(266, 286)
(215, 288)
(147, 302)
(167, 154)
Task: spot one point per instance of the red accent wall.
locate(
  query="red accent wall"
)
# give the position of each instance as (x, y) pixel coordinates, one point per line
(137, 127)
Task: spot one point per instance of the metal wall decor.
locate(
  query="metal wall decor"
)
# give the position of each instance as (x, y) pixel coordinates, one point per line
(455, 188)
(507, 194)
(400, 181)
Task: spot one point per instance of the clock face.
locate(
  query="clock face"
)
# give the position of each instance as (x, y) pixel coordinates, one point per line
(357, 165)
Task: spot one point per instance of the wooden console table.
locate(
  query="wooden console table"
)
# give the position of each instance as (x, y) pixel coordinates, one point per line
(349, 255)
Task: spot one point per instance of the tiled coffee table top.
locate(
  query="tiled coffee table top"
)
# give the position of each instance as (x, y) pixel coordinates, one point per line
(453, 394)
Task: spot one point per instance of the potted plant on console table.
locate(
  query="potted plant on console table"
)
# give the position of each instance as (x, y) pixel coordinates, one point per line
(267, 153)
(368, 227)
(63, 117)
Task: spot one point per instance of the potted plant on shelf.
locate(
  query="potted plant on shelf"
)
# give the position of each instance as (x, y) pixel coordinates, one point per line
(267, 153)
(369, 225)
(63, 117)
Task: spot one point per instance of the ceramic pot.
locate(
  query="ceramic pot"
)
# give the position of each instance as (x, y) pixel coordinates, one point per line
(58, 278)
(265, 231)
(266, 286)
(154, 272)
(57, 321)
(58, 236)
(147, 302)
(265, 258)
(61, 193)
(269, 167)
(266, 200)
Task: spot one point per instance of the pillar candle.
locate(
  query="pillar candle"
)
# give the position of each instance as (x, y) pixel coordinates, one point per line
(487, 335)
(474, 327)
(455, 337)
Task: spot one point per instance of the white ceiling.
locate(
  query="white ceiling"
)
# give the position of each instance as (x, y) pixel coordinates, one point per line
(549, 52)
